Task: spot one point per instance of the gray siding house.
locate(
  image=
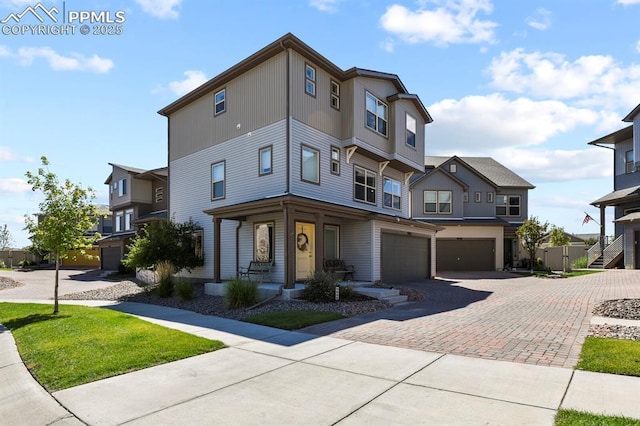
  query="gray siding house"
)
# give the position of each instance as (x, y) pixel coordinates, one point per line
(136, 196)
(480, 203)
(287, 158)
(623, 251)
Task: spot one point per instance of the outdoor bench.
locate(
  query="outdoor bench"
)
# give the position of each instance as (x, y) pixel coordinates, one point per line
(256, 268)
(338, 269)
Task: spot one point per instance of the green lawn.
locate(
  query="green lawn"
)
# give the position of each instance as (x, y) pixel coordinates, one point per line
(578, 273)
(81, 345)
(615, 356)
(292, 320)
(578, 418)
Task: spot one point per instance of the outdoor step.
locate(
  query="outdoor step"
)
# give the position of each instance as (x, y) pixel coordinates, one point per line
(394, 300)
(376, 292)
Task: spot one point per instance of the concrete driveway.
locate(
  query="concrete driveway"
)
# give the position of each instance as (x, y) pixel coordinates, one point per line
(494, 315)
(39, 283)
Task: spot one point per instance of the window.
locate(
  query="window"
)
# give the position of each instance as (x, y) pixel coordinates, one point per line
(122, 187)
(119, 221)
(198, 247)
(265, 161)
(263, 238)
(507, 205)
(489, 197)
(335, 95)
(364, 185)
(477, 196)
(376, 114)
(411, 131)
(159, 194)
(437, 202)
(628, 162)
(331, 242)
(391, 191)
(128, 218)
(465, 197)
(217, 181)
(453, 168)
(310, 80)
(310, 169)
(335, 160)
(220, 100)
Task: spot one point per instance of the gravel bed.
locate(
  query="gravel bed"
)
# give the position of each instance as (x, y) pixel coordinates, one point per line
(617, 308)
(214, 305)
(6, 283)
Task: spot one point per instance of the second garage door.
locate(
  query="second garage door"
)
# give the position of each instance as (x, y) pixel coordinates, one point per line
(404, 258)
(465, 255)
(110, 258)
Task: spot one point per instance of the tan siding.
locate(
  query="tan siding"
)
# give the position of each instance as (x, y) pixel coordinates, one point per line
(380, 89)
(313, 111)
(401, 108)
(347, 108)
(253, 100)
(140, 191)
(114, 200)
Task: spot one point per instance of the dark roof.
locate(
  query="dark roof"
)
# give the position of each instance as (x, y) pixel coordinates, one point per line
(618, 197)
(629, 217)
(289, 41)
(615, 137)
(118, 236)
(629, 118)
(158, 215)
(486, 167)
(161, 172)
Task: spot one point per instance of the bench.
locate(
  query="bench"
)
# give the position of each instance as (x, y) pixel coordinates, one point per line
(338, 269)
(256, 268)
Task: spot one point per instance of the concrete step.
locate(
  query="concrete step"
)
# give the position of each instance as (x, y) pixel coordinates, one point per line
(394, 300)
(376, 292)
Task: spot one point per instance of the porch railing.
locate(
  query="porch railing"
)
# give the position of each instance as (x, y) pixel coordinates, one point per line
(612, 250)
(593, 253)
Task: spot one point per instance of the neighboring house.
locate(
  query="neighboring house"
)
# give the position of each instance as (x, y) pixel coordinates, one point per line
(625, 198)
(574, 240)
(287, 158)
(136, 196)
(480, 203)
(103, 227)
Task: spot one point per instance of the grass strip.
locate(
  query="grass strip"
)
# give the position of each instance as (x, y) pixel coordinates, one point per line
(580, 418)
(293, 320)
(614, 356)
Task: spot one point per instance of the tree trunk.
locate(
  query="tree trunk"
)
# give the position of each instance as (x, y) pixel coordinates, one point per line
(55, 291)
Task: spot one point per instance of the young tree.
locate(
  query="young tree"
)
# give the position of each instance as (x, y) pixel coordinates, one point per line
(5, 237)
(66, 214)
(558, 238)
(531, 233)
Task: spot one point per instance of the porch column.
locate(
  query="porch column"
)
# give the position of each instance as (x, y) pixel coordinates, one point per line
(289, 249)
(602, 227)
(216, 249)
(319, 247)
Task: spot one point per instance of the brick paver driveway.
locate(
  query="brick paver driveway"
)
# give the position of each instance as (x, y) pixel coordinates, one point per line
(494, 315)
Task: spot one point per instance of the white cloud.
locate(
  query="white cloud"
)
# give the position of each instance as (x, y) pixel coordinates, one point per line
(638, 46)
(589, 80)
(58, 62)
(6, 154)
(387, 45)
(5, 51)
(452, 21)
(628, 2)
(16, 3)
(14, 186)
(163, 9)
(541, 20)
(475, 124)
(330, 6)
(192, 80)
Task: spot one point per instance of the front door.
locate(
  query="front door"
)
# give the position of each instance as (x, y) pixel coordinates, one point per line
(305, 253)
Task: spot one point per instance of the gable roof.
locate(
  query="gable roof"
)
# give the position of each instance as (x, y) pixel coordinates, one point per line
(615, 137)
(629, 118)
(289, 41)
(416, 178)
(486, 168)
(160, 172)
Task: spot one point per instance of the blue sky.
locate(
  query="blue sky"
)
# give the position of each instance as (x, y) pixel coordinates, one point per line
(526, 82)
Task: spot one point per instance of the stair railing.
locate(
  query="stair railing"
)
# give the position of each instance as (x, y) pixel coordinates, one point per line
(593, 254)
(612, 250)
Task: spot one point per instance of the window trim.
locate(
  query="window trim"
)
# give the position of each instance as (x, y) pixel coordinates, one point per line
(119, 216)
(408, 131)
(261, 171)
(224, 180)
(198, 242)
(317, 151)
(490, 197)
(375, 188)
(375, 113)
(477, 197)
(453, 168)
(311, 80)
(223, 102)
(333, 161)
(465, 197)
(334, 95)
(128, 219)
(122, 187)
(508, 206)
(629, 166)
(438, 210)
(337, 229)
(384, 179)
(159, 194)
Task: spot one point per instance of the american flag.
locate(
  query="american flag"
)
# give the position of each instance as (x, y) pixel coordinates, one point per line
(587, 218)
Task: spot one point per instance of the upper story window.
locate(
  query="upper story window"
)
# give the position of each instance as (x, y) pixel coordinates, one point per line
(119, 221)
(265, 167)
(628, 162)
(128, 219)
(217, 180)
(310, 165)
(122, 187)
(391, 190)
(453, 168)
(220, 102)
(364, 185)
(335, 160)
(411, 131)
(489, 197)
(159, 194)
(437, 202)
(309, 80)
(478, 197)
(376, 114)
(465, 197)
(335, 95)
(507, 205)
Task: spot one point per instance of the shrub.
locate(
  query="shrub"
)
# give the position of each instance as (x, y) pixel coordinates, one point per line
(165, 271)
(320, 287)
(184, 289)
(2, 264)
(580, 263)
(241, 293)
(125, 270)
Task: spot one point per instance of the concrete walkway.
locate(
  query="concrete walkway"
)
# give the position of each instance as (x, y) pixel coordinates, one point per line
(270, 376)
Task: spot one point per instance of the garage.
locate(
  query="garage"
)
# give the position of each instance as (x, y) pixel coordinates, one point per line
(465, 254)
(404, 258)
(110, 258)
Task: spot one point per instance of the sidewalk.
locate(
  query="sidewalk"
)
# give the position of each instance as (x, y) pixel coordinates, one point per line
(271, 376)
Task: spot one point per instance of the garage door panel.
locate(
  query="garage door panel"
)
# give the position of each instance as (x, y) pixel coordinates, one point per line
(110, 258)
(404, 258)
(465, 255)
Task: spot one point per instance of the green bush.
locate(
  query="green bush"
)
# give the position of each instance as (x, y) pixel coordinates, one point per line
(580, 263)
(126, 270)
(184, 289)
(2, 265)
(320, 287)
(165, 271)
(241, 293)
